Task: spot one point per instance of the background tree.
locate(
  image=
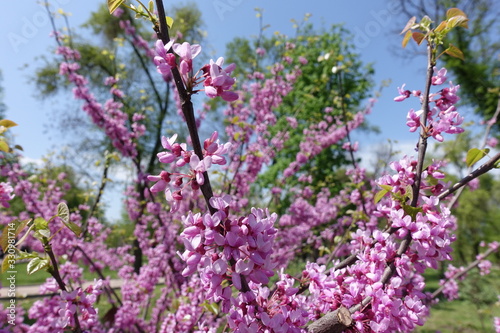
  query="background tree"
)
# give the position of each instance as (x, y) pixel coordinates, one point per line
(332, 82)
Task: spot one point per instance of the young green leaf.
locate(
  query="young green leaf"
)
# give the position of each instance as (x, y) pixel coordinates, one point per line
(25, 235)
(63, 212)
(37, 264)
(40, 223)
(454, 51)
(211, 307)
(170, 21)
(114, 4)
(4, 146)
(412, 211)
(73, 227)
(441, 26)
(452, 12)
(380, 194)
(458, 21)
(406, 38)
(474, 155)
(386, 187)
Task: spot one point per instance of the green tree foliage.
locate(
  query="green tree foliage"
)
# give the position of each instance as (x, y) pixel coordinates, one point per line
(479, 73)
(334, 77)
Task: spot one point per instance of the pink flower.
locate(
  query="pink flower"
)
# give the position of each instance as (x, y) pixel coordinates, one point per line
(163, 60)
(199, 167)
(492, 142)
(440, 78)
(187, 52)
(260, 51)
(163, 179)
(6, 194)
(403, 94)
(218, 81)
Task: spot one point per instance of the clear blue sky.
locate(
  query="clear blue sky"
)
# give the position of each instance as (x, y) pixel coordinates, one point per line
(25, 36)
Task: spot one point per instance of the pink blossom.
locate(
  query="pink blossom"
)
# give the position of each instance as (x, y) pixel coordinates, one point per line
(6, 194)
(492, 142)
(403, 94)
(440, 78)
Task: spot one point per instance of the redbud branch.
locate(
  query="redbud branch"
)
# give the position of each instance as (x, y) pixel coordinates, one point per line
(187, 110)
(104, 180)
(186, 105)
(54, 271)
(491, 164)
(422, 143)
(465, 271)
(108, 289)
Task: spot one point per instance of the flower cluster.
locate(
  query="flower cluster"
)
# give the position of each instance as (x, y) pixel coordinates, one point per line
(80, 301)
(109, 116)
(224, 249)
(6, 194)
(216, 80)
(178, 154)
(442, 117)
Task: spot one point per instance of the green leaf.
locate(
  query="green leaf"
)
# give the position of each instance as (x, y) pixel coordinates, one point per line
(151, 6)
(380, 194)
(41, 224)
(26, 234)
(74, 228)
(63, 212)
(26, 255)
(454, 51)
(386, 187)
(452, 12)
(211, 307)
(170, 21)
(474, 155)
(406, 38)
(114, 4)
(4, 146)
(7, 123)
(45, 233)
(37, 264)
(412, 211)
(441, 26)
(18, 147)
(457, 21)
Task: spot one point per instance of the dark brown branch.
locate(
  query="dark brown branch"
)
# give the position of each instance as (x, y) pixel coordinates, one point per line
(491, 164)
(186, 105)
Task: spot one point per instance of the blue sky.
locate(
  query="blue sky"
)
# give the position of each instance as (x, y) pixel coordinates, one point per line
(26, 32)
